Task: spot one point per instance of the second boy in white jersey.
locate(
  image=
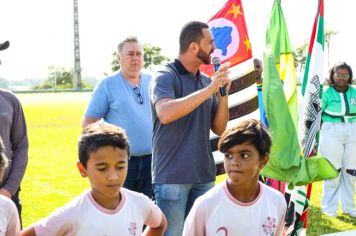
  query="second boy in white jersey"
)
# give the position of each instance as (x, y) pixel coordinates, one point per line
(241, 205)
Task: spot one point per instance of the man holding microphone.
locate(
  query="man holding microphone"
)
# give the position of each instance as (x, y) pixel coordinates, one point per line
(186, 104)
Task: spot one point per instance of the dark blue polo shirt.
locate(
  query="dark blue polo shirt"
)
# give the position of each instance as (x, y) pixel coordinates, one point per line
(181, 150)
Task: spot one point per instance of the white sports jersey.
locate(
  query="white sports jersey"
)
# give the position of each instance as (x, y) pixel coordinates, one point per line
(83, 216)
(218, 213)
(9, 218)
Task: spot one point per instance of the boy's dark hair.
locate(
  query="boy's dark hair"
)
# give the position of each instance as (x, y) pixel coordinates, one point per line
(340, 65)
(100, 134)
(3, 158)
(249, 131)
(191, 32)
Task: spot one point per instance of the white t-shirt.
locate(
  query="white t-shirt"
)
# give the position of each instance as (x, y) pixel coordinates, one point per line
(9, 218)
(218, 213)
(83, 216)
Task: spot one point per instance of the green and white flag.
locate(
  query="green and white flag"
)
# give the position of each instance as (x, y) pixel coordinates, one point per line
(310, 108)
(286, 162)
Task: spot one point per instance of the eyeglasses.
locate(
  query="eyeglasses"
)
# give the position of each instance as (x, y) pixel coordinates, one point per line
(345, 76)
(139, 97)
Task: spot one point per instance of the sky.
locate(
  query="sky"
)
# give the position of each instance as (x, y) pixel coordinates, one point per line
(41, 31)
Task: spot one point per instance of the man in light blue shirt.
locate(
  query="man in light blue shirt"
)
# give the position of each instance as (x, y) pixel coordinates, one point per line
(122, 99)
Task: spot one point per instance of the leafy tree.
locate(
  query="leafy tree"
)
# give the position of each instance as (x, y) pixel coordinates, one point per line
(61, 78)
(300, 53)
(327, 36)
(58, 78)
(300, 56)
(152, 56)
(114, 63)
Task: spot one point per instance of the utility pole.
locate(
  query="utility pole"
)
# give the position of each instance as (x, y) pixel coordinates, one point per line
(77, 83)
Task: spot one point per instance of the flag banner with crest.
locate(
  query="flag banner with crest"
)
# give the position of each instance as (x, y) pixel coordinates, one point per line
(310, 107)
(229, 29)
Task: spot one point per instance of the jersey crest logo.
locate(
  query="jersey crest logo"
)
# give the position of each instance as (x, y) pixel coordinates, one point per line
(133, 228)
(269, 226)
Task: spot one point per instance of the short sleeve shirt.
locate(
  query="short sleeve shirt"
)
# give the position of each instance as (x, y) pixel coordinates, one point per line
(217, 212)
(181, 150)
(115, 100)
(9, 218)
(83, 216)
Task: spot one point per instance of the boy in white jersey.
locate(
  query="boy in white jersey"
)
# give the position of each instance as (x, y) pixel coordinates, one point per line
(106, 208)
(241, 205)
(9, 218)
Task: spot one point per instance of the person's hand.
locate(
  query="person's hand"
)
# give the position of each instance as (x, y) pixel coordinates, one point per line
(221, 78)
(5, 192)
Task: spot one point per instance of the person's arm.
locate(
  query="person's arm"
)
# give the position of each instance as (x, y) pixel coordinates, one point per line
(324, 101)
(221, 117)
(62, 221)
(98, 105)
(88, 120)
(169, 110)
(19, 151)
(29, 231)
(195, 222)
(13, 227)
(324, 104)
(5, 192)
(280, 229)
(157, 231)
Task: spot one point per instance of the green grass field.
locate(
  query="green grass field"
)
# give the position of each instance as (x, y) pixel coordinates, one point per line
(52, 179)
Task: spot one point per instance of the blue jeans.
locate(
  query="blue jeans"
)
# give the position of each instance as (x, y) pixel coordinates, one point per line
(176, 200)
(139, 178)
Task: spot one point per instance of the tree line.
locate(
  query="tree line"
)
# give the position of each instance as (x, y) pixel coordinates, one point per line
(62, 78)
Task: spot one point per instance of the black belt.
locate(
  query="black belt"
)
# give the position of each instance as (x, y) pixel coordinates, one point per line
(143, 156)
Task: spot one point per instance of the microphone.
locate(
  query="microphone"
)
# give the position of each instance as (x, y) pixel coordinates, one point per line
(217, 63)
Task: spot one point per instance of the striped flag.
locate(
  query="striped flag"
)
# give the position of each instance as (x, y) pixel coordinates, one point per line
(229, 29)
(243, 105)
(310, 108)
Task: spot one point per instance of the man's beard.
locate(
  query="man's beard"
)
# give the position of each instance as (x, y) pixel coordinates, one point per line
(204, 57)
